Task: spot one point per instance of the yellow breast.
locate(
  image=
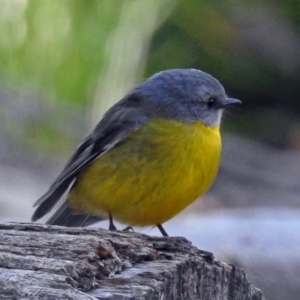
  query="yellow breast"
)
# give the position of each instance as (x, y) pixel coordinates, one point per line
(154, 174)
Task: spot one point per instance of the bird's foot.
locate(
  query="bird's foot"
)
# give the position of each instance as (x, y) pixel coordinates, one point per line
(128, 229)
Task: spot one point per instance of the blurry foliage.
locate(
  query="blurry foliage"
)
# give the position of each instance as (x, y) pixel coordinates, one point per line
(55, 46)
(205, 34)
(57, 50)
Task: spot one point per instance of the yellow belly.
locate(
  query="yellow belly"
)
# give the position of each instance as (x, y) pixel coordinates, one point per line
(153, 175)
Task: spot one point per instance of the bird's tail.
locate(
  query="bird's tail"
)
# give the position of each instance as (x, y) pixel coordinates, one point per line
(65, 216)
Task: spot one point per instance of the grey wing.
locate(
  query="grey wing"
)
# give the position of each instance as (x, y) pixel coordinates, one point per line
(123, 118)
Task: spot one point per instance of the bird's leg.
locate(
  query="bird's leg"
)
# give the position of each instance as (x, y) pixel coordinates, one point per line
(112, 226)
(161, 229)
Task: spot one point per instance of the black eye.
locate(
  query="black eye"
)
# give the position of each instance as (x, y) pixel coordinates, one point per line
(211, 101)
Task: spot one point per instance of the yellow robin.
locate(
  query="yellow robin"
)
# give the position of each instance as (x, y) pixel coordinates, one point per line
(153, 153)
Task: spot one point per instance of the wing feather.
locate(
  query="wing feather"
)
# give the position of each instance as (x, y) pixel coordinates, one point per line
(122, 119)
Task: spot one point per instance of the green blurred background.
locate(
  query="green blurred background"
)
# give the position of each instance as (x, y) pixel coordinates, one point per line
(75, 58)
(63, 63)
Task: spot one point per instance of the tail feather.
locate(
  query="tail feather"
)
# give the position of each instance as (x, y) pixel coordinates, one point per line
(47, 201)
(65, 216)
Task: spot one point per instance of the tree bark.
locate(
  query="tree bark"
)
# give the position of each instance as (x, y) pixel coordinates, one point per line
(52, 262)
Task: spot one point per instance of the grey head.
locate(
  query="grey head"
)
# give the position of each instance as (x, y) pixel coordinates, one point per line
(186, 95)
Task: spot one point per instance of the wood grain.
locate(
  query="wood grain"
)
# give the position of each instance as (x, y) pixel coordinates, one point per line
(52, 262)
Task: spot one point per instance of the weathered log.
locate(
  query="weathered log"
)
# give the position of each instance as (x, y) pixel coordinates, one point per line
(52, 262)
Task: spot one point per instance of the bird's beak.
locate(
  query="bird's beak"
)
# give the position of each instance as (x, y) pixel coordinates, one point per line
(232, 101)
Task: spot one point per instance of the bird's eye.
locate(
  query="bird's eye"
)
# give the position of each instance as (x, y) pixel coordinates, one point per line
(211, 101)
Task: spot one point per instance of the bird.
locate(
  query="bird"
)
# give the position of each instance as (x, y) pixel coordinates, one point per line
(151, 155)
